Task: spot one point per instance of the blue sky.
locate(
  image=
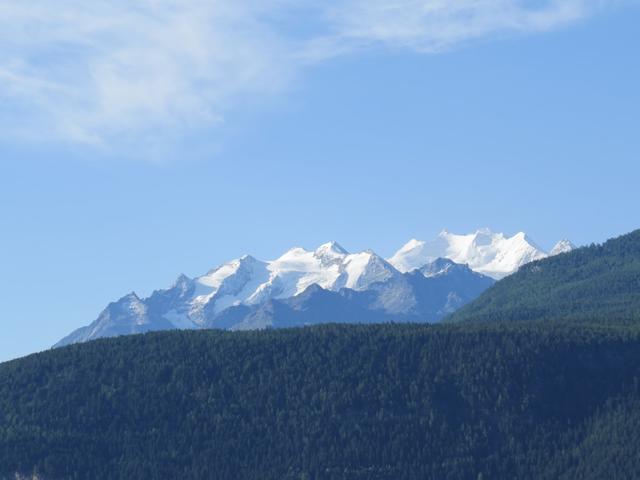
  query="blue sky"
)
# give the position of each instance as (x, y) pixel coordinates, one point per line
(145, 139)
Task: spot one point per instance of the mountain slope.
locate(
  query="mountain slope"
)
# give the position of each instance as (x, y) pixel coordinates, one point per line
(530, 401)
(127, 316)
(599, 281)
(412, 297)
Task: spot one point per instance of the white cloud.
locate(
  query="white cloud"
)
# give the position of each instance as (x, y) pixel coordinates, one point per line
(101, 71)
(431, 25)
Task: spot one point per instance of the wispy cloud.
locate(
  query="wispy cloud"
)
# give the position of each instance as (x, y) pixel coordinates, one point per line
(430, 26)
(95, 72)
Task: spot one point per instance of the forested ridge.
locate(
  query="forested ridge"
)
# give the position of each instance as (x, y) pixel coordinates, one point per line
(597, 283)
(534, 400)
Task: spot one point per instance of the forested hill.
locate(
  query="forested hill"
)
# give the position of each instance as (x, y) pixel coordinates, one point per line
(599, 282)
(525, 400)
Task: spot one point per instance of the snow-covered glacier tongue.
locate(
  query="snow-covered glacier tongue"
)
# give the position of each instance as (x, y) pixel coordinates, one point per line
(423, 281)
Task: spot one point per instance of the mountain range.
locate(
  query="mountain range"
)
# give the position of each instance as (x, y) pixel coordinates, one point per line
(423, 281)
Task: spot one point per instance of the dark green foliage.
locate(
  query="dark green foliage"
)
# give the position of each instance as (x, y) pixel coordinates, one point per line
(597, 282)
(530, 400)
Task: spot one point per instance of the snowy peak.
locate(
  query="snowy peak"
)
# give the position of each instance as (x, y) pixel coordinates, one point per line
(182, 284)
(504, 256)
(129, 299)
(413, 245)
(293, 254)
(439, 267)
(484, 251)
(214, 278)
(366, 268)
(226, 285)
(563, 246)
(332, 250)
(416, 253)
(130, 304)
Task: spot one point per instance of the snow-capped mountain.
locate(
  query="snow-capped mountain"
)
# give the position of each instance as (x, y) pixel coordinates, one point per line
(422, 281)
(126, 316)
(492, 254)
(410, 296)
(247, 281)
(563, 246)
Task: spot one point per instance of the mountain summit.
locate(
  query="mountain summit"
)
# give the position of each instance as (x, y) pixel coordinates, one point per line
(563, 246)
(486, 252)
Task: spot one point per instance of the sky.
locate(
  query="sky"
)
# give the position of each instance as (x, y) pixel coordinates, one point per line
(148, 138)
